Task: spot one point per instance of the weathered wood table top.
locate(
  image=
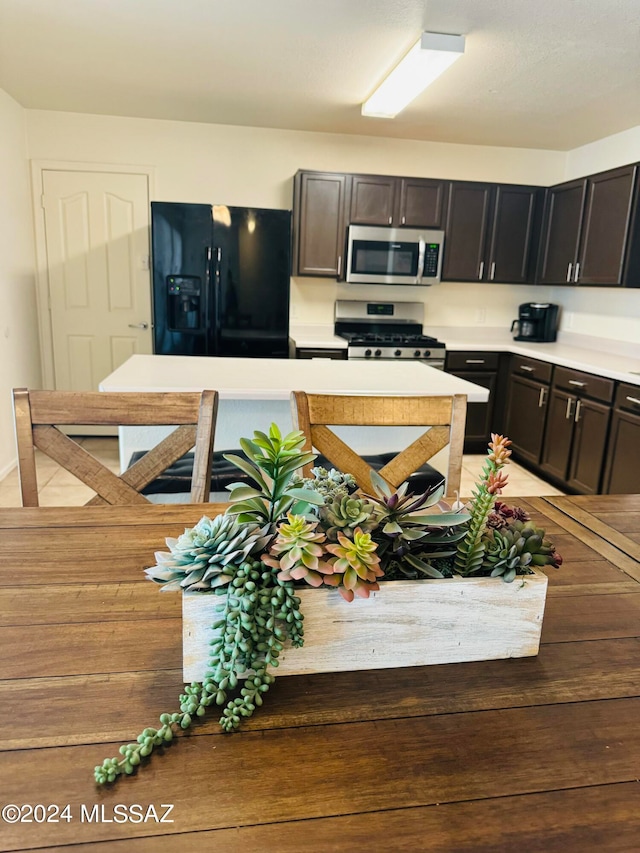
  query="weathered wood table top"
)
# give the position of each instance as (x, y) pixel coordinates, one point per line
(527, 754)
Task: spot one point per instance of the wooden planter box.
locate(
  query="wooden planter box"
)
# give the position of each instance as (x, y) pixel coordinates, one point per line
(406, 623)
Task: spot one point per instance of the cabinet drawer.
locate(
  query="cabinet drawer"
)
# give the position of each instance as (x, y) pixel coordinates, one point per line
(472, 361)
(321, 352)
(628, 397)
(585, 384)
(532, 368)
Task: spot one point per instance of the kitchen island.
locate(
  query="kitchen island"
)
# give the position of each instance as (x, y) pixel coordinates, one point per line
(255, 392)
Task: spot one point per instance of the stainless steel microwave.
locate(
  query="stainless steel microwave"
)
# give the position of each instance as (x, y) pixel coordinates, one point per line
(380, 255)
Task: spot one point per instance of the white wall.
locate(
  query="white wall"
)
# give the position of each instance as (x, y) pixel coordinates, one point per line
(607, 153)
(255, 166)
(19, 352)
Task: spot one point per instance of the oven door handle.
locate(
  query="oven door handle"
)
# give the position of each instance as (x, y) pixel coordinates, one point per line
(421, 254)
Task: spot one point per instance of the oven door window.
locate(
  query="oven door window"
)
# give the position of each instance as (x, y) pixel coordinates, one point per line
(374, 258)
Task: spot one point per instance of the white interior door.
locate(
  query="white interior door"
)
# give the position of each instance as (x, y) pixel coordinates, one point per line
(97, 245)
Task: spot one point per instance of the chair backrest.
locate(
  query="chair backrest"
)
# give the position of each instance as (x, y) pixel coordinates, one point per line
(442, 417)
(39, 413)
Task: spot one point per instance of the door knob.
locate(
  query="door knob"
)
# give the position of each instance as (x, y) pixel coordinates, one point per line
(138, 325)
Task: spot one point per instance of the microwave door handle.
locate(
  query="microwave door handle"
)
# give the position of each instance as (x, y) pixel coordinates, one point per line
(421, 253)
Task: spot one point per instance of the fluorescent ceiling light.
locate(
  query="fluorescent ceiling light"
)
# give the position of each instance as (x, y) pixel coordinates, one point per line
(432, 54)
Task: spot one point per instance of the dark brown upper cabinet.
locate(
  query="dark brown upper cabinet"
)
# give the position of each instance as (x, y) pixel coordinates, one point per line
(399, 202)
(490, 232)
(421, 203)
(466, 227)
(588, 231)
(514, 234)
(605, 227)
(373, 199)
(561, 235)
(319, 225)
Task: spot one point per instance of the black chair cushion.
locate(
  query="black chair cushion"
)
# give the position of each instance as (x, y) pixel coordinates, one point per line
(177, 478)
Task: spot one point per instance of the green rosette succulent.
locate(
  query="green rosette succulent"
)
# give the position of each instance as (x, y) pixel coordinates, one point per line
(345, 514)
(207, 556)
(516, 549)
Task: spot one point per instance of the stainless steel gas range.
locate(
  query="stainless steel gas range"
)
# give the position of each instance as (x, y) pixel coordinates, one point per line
(386, 331)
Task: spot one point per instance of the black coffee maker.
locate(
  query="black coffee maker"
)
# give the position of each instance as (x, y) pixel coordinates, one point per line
(537, 322)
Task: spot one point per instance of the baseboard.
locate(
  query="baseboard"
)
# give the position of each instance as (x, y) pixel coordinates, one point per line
(8, 468)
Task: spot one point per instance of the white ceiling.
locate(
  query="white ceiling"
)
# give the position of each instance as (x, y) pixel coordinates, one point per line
(536, 73)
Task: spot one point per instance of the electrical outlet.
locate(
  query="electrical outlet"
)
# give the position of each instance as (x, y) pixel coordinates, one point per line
(481, 315)
(567, 320)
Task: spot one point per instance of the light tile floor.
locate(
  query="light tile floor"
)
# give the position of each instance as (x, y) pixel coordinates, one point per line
(59, 488)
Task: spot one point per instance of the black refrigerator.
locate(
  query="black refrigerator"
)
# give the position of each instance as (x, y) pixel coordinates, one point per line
(220, 280)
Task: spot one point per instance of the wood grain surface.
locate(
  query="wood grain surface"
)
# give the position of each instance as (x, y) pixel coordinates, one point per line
(528, 754)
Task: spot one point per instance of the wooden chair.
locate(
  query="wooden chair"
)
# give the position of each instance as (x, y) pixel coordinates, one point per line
(38, 413)
(444, 415)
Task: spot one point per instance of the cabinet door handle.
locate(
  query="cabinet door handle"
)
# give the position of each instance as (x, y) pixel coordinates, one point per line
(474, 361)
(390, 220)
(577, 272)
(575, 382)
(578, 407)
(527, 368)
(339, 266)
(481, 272)
(569, 412)
(634, 400)
(138, 325)
(542, 397)
(569, 268)
(492, 274)
(404, 219)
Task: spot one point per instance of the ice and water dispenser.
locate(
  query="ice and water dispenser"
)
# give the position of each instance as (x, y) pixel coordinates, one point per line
(184, 303)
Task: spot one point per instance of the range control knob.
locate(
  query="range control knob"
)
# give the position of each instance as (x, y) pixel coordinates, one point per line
(378, 353)
(426, 353)
(398, 352)
(416, 354)
(367, 353)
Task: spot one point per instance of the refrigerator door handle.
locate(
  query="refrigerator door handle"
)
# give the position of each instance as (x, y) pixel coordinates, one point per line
(216, 301)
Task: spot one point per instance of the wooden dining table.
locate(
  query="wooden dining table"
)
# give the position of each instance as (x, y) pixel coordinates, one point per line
(530, 754)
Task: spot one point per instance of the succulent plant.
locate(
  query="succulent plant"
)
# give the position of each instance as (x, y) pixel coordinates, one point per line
(515, 549)
(357, 566)
(502, 515)
(271, 462)
(207, 556)
(346, 513)
(470, 552)
(331, 484)
(296, 552)
(410, 541)
(251, 557)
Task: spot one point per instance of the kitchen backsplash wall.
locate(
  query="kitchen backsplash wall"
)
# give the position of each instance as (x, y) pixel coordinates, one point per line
(597, 311)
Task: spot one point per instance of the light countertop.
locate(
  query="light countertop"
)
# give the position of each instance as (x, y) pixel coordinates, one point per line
(255, 392)
(612, 359)
(274, 379)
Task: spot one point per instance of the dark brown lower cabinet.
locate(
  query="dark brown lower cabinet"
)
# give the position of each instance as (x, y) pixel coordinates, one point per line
(481, 368)
(526, 414)
(575, 442)
(622, 471)
(526, 406)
